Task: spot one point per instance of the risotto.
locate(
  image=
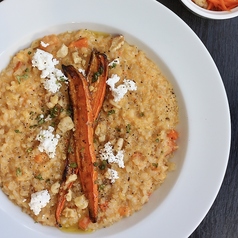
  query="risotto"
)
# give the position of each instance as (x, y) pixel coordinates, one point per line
(134, 132)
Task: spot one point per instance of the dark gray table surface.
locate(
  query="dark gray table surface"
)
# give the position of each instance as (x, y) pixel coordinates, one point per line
(221, 39)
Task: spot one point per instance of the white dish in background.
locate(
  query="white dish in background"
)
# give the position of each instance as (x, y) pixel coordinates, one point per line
(216, 15)
(181, 203)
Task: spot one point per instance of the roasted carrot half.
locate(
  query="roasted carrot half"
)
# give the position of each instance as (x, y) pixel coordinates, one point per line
(71, 168)
(97, 73)
(83, 136)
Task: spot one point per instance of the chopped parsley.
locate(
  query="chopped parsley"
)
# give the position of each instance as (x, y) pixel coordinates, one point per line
(70, 149)
(103, 165)
(95, 164)
(155, 165)
(17, 131)
(111, 112)
(62, 79)
(113, 65)
(101, 187)
(29, 150)
(39, 176)
(97, 74)
(128, 128)
(95, 77)
(54, 112)
(20, 77)
(40, 119)
(18, 172)
(73, 165)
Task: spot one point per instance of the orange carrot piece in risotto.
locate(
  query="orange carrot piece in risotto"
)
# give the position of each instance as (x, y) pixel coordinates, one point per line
(70, 169)
(97, 73)
(81, 42)
(83, 136)
(173, 134)
(84, 222)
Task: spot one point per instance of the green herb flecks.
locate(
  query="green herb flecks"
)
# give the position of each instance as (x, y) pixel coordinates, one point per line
(29, 150)
(40, 119)
(128, 128)
(103, 165)
(95, 77)
(39, 176)
(70, 149)
(55, 111)
(21, 77)
(18, 172)
(113, 65)
(155, 165)
(17, 131)
(101, 187)
(73, 165)
(95, 164)
(62, 79)
(97, 74)
(111, 112)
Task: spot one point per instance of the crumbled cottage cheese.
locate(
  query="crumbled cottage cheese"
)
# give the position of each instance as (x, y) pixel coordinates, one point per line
(112, 175)
(119, 92)
(48, 141)
(43, 44)
(82, 71)
(45, 62)
(107, 154)
(39, 200)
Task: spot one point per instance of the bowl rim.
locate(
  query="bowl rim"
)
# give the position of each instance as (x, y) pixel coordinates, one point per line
(217, 15)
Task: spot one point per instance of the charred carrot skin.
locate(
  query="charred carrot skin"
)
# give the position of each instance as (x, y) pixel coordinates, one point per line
(83, 136)
(92, 65)
(97, 73)
(100, 84)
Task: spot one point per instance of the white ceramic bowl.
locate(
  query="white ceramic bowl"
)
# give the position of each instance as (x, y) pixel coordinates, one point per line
(218, 15)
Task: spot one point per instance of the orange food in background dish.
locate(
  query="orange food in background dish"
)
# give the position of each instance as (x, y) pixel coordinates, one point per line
(217, 5)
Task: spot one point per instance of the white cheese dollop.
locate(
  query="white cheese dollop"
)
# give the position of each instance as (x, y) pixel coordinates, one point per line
(82, 71)
(43, 44)
(112, 175)
(45, 62)
(48, 141)
(39, 200)
(119, 92)
(107, 154)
